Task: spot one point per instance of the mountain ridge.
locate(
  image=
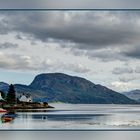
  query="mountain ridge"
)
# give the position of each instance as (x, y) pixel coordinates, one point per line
(133, 94)
(59, 87)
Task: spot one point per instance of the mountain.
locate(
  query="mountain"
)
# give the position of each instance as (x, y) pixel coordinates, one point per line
(36, 94)
(71, 89)
(134, 94)
(59, 87)
(4, 86)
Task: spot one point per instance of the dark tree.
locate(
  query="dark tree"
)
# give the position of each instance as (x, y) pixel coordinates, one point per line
(11, 96)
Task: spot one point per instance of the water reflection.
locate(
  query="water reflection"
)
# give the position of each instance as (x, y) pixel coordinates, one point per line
(33, 117)
(66, 117)
(89, 117)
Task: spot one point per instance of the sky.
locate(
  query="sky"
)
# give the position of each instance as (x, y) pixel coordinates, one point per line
(101, 46)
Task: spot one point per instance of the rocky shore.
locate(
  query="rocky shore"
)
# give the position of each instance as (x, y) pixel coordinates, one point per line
(25, 105)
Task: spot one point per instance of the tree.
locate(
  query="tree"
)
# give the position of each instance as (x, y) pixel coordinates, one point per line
(11, 96)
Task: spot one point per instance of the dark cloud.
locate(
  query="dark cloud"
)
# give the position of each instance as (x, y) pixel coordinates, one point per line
(133, 52)
(90, 29)
(102, 34)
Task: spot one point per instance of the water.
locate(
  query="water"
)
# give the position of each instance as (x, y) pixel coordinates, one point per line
(76, 116)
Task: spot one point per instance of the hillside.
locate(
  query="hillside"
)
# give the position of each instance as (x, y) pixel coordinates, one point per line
(4, 86)
(134, 94)
(70, 89)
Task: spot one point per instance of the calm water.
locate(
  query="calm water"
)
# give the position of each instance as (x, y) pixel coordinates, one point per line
(77, 116)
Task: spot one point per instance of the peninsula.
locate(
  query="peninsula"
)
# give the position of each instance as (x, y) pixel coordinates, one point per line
(11, 102)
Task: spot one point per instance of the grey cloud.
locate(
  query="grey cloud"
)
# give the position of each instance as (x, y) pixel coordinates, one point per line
(18, 36)
(133, 52)
(23, 62)
(127, 70)
(76, 68)
(127, 78)
(8, 45)
(89, 31)
(17, 62)
(137, 69)
(106, 55)
(78, 52)
(123, 70)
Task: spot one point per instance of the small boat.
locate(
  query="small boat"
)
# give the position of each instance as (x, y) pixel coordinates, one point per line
(3, 110)
(6, 119)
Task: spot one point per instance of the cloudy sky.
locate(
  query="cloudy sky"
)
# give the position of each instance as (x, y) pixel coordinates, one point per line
(102, 46)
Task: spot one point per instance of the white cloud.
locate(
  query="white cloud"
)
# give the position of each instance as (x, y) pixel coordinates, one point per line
(124, 86)
(24, 62)
(120, 86)
(17, 62)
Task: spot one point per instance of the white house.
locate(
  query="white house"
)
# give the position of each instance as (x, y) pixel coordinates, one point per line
(25, 98)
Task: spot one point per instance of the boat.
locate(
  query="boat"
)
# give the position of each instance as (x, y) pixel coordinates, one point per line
(3, 110)
(6, 119)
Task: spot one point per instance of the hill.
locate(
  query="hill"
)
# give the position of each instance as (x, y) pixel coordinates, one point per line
(59, 87)
(134, 94)
(4, 86)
